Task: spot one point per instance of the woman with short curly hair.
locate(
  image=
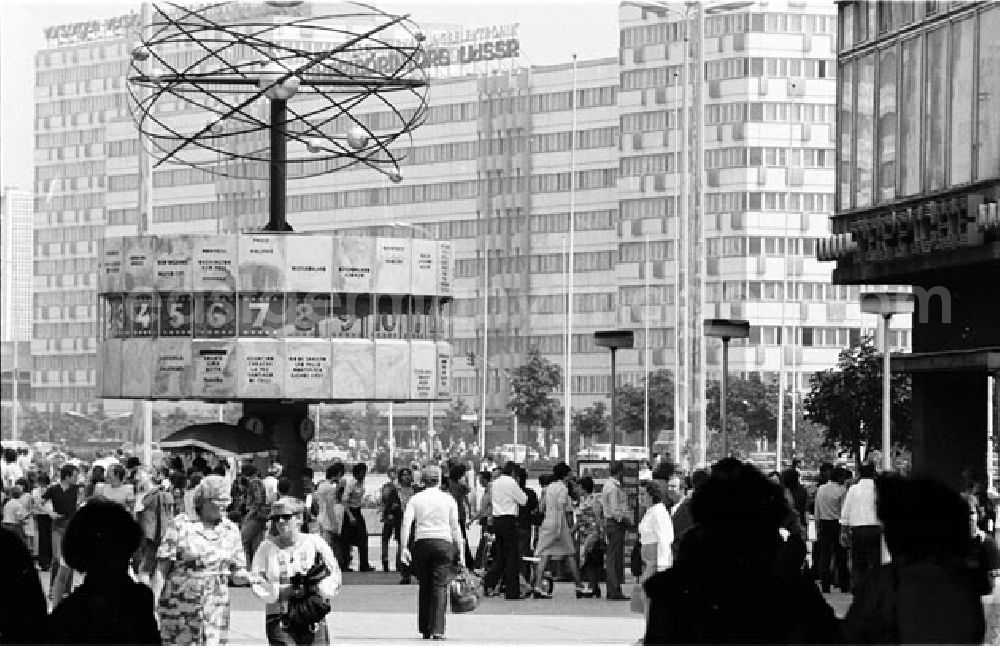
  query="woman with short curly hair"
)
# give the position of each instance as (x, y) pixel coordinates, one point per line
(194, 562)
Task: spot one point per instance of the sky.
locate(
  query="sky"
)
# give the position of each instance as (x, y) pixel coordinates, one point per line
(551, 32)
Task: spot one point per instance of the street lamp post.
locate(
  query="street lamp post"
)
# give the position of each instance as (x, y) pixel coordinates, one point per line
(613, 340)
(885, 304)
(725, 329)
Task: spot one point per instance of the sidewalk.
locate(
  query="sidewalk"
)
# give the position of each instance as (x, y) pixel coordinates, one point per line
(388, 613)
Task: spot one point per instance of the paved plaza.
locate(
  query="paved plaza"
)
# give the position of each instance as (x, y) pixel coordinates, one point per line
(387, 613)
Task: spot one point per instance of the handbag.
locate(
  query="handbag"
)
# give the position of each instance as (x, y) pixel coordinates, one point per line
(464, 591)
(306, 606)
(635, 563)
(637, 602)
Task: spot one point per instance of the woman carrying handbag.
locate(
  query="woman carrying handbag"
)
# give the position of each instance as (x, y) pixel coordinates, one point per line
(656, 534)
(300, 577)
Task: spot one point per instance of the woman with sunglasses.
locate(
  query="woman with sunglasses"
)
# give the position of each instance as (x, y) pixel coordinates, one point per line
(194, 563)
(285, 553)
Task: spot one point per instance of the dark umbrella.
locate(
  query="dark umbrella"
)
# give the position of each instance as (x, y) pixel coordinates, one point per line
(218, 438)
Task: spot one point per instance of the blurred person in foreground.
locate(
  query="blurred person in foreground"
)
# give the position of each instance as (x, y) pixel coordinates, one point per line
(109, 607)
(23, 617)
(433, 516)
(733, 580)
(928, 593)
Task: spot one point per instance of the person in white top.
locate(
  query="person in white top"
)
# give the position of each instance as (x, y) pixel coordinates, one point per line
(285, 553)
(433, 516)
(859, 527)
(656, 534)
(505, 498)
(116, 490)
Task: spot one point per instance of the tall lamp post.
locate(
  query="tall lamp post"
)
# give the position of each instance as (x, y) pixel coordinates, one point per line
(725, 329)
(885, 305)
(613, 340)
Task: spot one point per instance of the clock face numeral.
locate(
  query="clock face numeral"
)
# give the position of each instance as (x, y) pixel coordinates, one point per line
(142, 315)
(175, 315)
(306, 313)
(215, 315)
(261, 314)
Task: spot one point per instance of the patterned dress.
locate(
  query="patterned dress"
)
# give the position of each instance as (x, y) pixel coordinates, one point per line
(588, 525)
(194, 606)
(554, 538)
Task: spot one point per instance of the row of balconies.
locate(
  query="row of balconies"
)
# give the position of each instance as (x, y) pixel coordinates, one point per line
(798, 312)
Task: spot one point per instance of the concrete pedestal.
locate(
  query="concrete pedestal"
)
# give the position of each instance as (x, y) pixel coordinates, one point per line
(282, 422)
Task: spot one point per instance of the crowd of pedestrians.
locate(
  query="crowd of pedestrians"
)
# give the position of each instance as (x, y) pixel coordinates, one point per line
(137, 554)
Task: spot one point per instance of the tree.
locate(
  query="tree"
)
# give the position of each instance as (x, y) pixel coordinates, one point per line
(591, 422)
(847, 400)
(452, 426)
(532, 385)
(749, 402)
(630, 405)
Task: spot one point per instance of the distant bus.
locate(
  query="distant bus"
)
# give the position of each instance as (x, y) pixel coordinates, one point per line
(622, 452)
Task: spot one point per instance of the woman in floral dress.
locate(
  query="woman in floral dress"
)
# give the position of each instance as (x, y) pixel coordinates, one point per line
(589, 535)
(194, 563)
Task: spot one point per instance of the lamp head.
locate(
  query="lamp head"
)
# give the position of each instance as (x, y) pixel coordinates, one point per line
(314, 145)
(395, 178)
(357, 137)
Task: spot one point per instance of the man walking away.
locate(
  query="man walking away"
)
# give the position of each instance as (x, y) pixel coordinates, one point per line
(433, 515)
(859, 527)
(255, 509)
(389, 530)
(506, 496)
(614, 504)
(331, 513)
(355, 533)
(829, 504)
(485, 517)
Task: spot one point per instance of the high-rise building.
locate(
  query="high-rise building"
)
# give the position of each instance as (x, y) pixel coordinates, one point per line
(16, 265)
(760, 187)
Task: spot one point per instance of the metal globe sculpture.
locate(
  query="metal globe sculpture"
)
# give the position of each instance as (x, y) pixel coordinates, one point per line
(201, 79)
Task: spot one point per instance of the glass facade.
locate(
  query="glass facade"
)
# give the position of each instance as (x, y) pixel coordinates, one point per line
(928, 71)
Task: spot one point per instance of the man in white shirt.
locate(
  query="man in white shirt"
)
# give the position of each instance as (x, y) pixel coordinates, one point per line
(828, 507)
(433, 515)
(505, 497)
(859, 527)
(617, 515)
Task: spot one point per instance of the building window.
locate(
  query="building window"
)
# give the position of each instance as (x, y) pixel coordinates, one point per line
(887, 125)
(910, 112)
(846, 126)
(988, 124)
(962, 65)
(935, 107)
(864, 135)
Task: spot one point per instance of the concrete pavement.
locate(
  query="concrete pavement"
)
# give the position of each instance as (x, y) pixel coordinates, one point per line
(365, 614)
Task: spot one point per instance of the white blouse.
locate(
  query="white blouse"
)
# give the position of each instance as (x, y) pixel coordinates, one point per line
(656, 527)
(279, 564)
